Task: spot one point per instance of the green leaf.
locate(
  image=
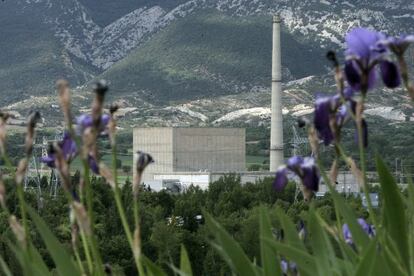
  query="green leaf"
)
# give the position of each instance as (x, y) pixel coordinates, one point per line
(63, 261)
(22, 258)
(185, 265)
(392, 263)
(38, 262)
(394, 213)
(229, 249)
(303, 260)
(322, 247)
(381, 266)
(411, 222)
(291, 235)
(151, 268)
(5, 268)
(366, 264)
(290, 232)
(270, 261)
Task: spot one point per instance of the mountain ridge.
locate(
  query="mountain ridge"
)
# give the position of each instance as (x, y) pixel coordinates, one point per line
(83, 40)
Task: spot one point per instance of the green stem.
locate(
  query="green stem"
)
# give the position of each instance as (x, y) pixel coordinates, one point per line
(137, 227)
(87, 252)
(91, 239)
(330, 186)
(20, 195)
(363, 165)
(121, 210)
(78, 259)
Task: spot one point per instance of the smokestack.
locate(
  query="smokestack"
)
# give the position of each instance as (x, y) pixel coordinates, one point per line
(276, 128)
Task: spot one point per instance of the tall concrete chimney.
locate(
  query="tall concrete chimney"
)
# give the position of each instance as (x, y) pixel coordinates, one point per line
(276, 128)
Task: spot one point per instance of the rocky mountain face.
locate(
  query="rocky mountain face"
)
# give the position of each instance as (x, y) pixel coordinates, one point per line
(182, 62)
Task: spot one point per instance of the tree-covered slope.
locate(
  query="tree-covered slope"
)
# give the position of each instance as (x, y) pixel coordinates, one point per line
(209, 54)
(31, 58)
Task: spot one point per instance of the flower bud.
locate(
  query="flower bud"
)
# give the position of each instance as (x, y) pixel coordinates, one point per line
(142, 160)
(2, 194)
(302, 122)
(106, 173)
(3, 123)
(101, 87)
(21, 171)
(17, 229)
(331, 56)
(33, 119)
(82, 217)
(113, 108)
(64, 99)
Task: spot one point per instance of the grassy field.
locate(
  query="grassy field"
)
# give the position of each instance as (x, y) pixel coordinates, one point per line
(251, 160)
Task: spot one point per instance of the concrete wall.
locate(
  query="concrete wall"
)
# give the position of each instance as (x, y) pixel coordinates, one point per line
(203, 179)
(209, 149)
(158, 143)
(192, 149)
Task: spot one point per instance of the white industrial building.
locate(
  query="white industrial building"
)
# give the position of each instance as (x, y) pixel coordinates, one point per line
(190, 150)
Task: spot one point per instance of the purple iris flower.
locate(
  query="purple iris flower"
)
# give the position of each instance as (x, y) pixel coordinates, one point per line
(304, 167)
(302, 230)
(68, 148)
(85, 120)
(93, 164)
(368, 229)
(328, 113)
(365, 49)
(284, 265)
(398, 45)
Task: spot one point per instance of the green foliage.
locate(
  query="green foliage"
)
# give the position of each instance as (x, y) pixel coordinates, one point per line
(254, 229)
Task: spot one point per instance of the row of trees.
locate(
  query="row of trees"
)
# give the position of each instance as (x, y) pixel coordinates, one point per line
(170, 220)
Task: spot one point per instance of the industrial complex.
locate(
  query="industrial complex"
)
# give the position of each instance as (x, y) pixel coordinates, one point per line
(199, 156)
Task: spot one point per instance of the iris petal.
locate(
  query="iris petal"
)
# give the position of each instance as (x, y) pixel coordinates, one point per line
(93, 164)
(85, 120)
(362, 42)
(294, 164)
(365, 227)
(281, 179)
(324, 106)
(353, 75)
(310, 178)
(49, 160)
(68, 147)
(390, 74)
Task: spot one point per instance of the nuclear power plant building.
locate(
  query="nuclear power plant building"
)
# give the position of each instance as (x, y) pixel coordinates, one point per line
(192, 149)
